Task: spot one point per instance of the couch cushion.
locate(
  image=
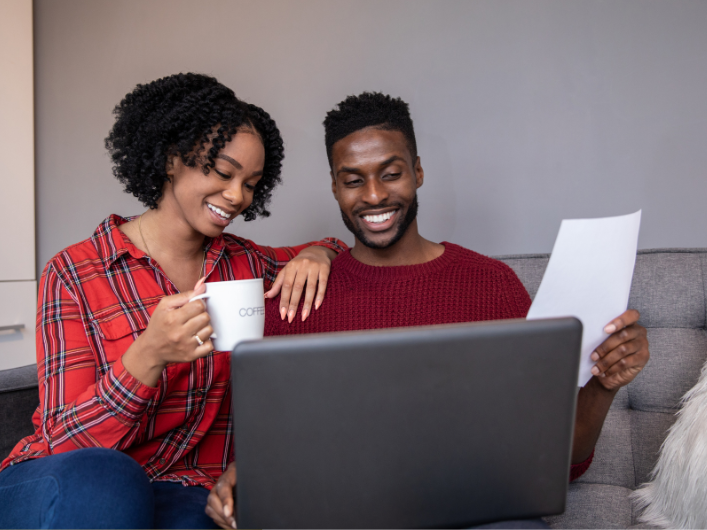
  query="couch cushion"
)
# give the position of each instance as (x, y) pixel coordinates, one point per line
(18, 378)
(613, 456)
(677, 356)
(18, 400)
(595, 506)
(650, 430)
(668, 288)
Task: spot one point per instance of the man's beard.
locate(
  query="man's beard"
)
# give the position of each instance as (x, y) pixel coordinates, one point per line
(402, 227)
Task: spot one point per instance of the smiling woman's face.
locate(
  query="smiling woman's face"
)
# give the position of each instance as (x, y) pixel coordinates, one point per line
(208, 203)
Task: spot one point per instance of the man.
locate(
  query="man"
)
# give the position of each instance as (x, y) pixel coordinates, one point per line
(394, 277)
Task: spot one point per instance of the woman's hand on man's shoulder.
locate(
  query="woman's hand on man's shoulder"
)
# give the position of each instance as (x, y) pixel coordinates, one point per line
(307, 272)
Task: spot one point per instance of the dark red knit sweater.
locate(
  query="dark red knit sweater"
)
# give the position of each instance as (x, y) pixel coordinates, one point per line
(459, 286)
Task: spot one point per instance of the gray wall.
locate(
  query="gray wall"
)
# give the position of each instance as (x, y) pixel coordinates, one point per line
(526, 111)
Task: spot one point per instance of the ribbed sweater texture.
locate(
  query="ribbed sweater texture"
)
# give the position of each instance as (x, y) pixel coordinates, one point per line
(459, 286)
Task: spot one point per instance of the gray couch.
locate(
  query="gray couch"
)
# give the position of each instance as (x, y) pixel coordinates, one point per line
(669, 289)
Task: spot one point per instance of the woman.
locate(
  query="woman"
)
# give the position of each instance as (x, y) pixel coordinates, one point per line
(124, 359)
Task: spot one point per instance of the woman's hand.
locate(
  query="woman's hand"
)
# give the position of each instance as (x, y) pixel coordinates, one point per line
(311, 268)
(171, 337)
(219, 505)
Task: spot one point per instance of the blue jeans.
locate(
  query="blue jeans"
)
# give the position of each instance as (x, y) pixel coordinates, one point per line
(95, 488)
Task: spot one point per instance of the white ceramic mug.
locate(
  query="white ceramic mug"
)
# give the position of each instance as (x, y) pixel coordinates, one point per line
(237, 311)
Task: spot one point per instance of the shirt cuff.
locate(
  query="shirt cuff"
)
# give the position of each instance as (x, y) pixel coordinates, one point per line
(577, 470)
(124, 396)
(332, 243)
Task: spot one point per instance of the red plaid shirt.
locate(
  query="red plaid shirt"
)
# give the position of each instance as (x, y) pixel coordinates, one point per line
(95, 299)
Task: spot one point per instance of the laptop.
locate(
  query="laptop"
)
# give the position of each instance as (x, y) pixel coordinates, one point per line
(440, 426)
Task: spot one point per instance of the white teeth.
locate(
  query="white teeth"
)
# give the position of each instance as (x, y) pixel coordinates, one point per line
(218, 211)
(379, 218)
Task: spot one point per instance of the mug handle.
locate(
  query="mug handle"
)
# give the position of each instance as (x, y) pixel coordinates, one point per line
(200, 297)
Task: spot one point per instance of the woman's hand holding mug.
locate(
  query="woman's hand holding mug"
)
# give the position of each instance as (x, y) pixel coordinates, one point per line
(179, 332)
(237, 311)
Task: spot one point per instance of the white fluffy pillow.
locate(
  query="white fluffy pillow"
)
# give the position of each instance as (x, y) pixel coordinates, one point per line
(677, 495)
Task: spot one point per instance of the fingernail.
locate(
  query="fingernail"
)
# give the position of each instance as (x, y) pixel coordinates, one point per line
(305, 314)
(610, 328)
(317, 304)
(594, 356)
(227, 511)
(233, 524)
(595, 370)
(283, 312)
(291, 316)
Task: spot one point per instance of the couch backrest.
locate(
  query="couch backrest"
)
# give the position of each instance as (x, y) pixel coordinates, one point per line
(19, 398)
(669, 290)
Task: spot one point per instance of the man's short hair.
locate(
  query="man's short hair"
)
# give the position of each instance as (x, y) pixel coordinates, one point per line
(369, 109)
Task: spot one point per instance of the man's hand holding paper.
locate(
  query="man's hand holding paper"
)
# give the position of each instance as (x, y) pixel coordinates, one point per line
(589, 277)
(623, 354)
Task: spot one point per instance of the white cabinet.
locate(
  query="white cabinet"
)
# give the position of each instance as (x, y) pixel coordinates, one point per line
(18, 286)
(17, 322)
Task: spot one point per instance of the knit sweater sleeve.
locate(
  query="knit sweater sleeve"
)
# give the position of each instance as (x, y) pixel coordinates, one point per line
(514, 293)
(577, 470)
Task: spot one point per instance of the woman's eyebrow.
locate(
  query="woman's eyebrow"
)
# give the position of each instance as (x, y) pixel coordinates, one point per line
(227, 158)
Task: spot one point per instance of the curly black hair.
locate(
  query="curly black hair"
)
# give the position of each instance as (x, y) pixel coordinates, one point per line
(369, 109)
(179, 115)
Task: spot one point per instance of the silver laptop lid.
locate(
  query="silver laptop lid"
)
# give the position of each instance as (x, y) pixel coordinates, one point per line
(439, 426)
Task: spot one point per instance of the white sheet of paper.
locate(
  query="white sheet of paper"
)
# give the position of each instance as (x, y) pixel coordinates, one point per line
(589, 277)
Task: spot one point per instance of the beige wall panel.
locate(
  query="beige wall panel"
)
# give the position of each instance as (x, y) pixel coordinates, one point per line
(16, 141)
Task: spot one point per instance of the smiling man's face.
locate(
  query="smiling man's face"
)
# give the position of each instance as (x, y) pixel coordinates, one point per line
(375, 181)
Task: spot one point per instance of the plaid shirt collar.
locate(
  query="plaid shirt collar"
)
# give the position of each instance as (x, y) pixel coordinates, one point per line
(111, 244)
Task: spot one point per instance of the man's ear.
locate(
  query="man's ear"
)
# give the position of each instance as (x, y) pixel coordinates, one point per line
(419, 172)
(333, 184)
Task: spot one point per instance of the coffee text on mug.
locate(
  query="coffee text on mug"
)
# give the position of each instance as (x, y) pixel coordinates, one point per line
(251, 311)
